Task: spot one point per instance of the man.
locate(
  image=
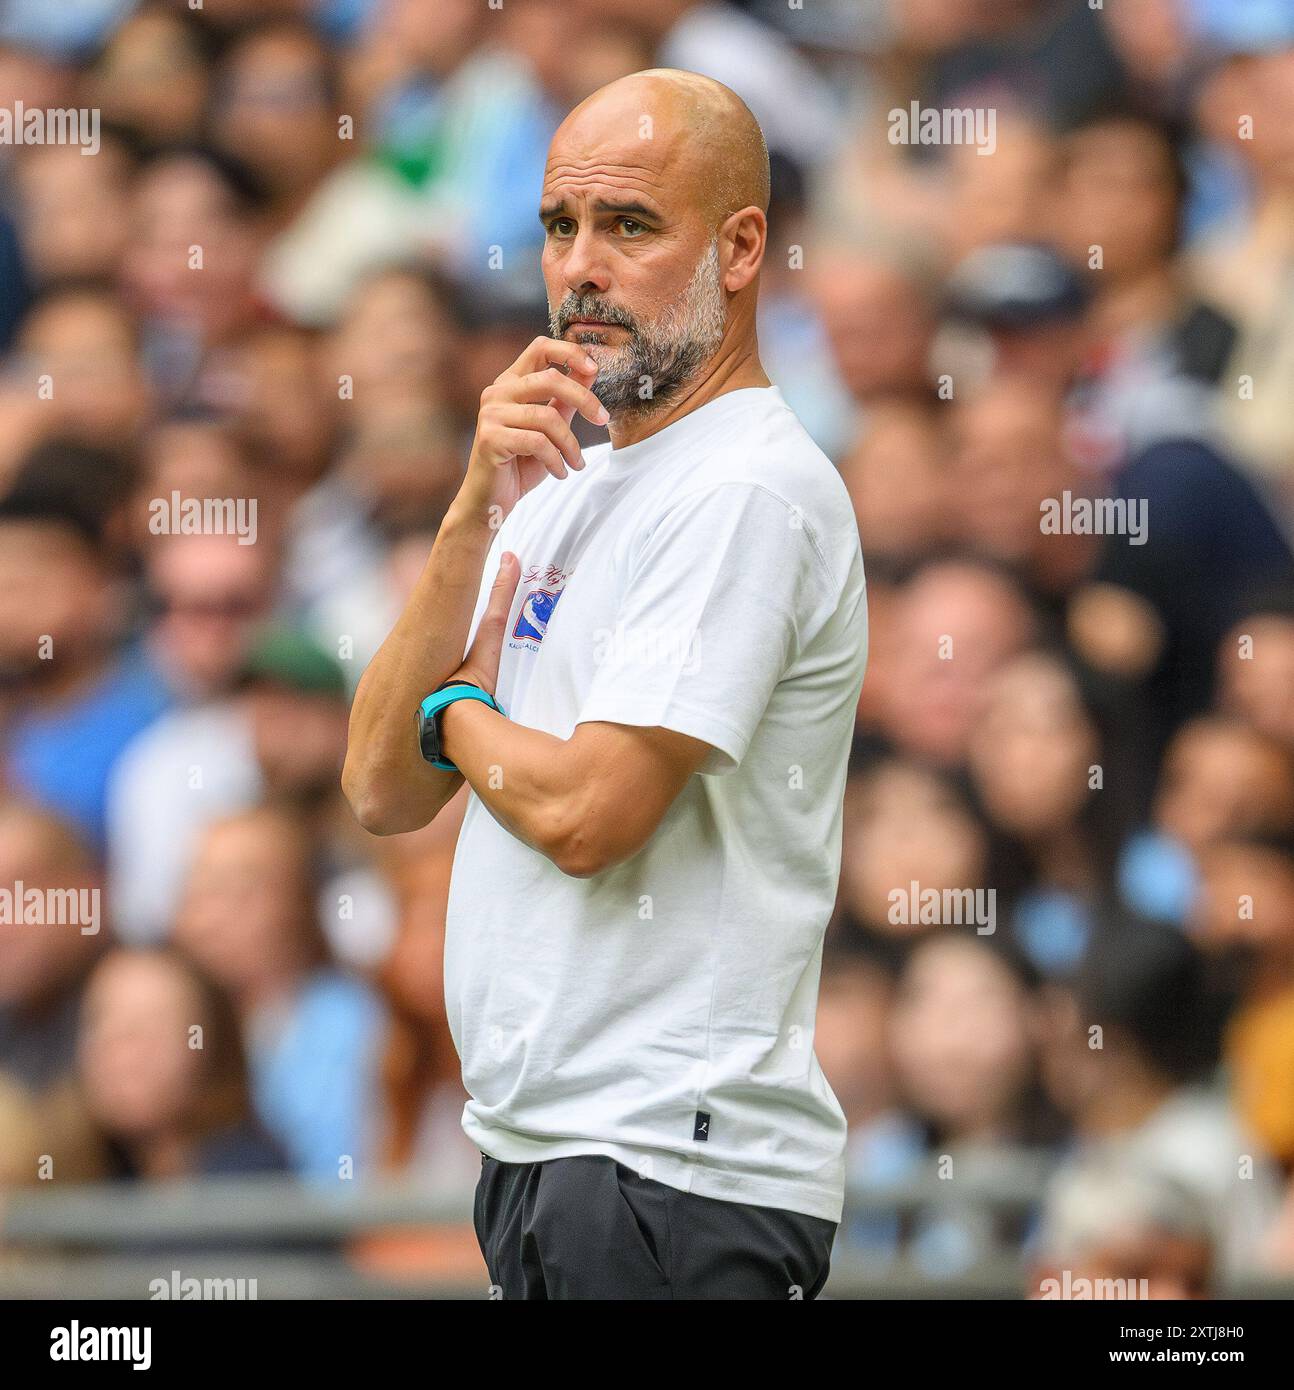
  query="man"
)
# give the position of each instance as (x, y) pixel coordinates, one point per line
(73, 691)
(647, 866)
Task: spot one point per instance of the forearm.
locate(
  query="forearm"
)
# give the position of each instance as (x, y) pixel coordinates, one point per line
(388, 783)
(524, 776)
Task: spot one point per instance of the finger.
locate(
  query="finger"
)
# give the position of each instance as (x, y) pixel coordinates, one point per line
(502, 591)
(522, 443)
(488, 643)
(554, 352)
(548, 421)
(553, 385)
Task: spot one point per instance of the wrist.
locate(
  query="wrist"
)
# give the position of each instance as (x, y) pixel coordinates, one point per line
(469, 518)
(475, 506)
(455, 726)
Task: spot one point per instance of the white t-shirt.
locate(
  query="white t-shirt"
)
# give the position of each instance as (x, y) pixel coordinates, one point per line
(707, 580)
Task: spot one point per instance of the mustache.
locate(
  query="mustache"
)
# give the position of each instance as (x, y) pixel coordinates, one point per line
(575, 307)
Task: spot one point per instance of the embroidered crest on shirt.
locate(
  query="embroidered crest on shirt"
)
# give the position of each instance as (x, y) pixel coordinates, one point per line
(537, 607)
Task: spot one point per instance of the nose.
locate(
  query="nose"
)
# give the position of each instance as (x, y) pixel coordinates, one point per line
(583, 269)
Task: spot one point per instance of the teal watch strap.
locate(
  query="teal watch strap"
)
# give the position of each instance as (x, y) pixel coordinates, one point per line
(433, 704)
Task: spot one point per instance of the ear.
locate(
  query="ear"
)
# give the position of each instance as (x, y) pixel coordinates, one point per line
(744, 235)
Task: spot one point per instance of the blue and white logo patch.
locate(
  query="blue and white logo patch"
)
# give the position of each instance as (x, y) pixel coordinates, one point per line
(536, 610)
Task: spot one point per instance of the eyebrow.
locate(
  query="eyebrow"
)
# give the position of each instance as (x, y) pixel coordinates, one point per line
(629, 209)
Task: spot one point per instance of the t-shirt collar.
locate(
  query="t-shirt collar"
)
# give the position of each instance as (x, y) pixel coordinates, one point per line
(731, 405)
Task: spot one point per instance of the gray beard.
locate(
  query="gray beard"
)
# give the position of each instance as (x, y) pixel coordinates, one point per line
(660, 358)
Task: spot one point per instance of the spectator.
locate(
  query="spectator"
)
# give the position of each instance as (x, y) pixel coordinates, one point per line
(1133, 1068)
(74, 701)
(1256, 666)
(1111, 1230)
(80, 351)
(906, 824)
(898, 477)
(963, 1037)
(248, 916)
(1245, 915)
(161, 1065)
(955, 622)
(1156, 350)
(422, 1089)
(1038, 765)
(43, 968)
(278, 729)
(1219, 777)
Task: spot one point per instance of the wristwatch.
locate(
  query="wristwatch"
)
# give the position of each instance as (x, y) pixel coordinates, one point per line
(429, 717)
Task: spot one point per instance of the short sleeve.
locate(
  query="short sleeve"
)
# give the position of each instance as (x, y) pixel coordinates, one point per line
(721, 594)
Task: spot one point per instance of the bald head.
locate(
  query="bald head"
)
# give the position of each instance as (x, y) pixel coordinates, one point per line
(654, 213)
(691, 137)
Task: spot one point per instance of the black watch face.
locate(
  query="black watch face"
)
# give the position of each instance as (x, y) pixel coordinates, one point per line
(428, 736)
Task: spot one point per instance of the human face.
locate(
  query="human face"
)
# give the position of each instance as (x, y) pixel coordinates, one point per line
(631, 264)
(658, 357)
(138, 1072)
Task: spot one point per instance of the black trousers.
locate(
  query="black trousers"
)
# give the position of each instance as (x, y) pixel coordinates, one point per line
(588, 1227)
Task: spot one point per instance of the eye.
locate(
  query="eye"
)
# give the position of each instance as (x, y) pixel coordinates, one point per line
(631, 226)
(562, 226)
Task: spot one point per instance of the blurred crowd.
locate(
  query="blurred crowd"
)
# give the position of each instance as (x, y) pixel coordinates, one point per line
(304, 242)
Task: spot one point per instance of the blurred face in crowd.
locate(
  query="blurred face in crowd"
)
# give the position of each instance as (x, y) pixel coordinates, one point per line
(961, 1037)
(898, 483)
(1218, 777)
(406, 466)
(180, 203)
(247, 904)
(152, 78)
(139, 1074)
(58, 606)
(954, 625)
(1119, 193)
(544, 34)
(28, 76)
(1151, 36)
(213, 592)
(274, 107)
(195, 459)
(284, 411)
(1261, 87)
(86, 344)
(932, 26)
(1005, 197)
(38, 960)
(1031, 751)
(1007, 459)
(300, 738)
(905, 824)
(851, 1040)
(1174, 1265)
(73, 210)
(430, 35)
(877, 322)
(651, 18)
(1049, 353)
(1259, 685)
(1247, 899)
(395, 341)
(641, 252)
